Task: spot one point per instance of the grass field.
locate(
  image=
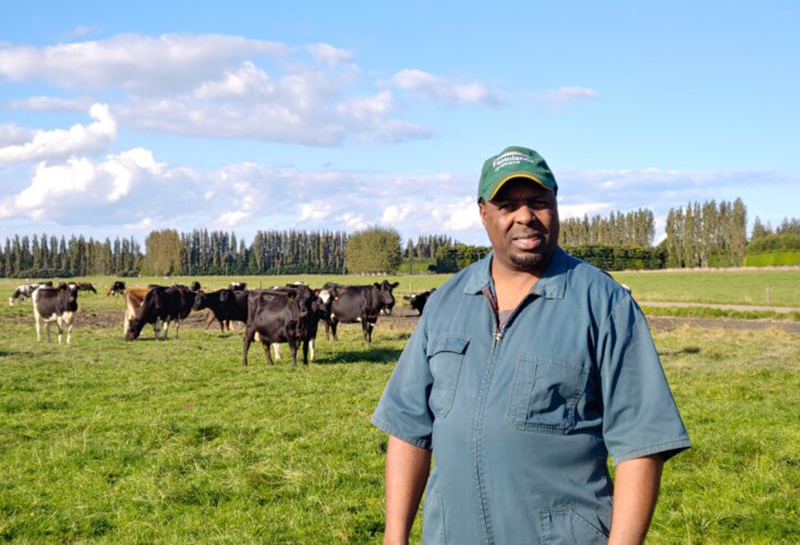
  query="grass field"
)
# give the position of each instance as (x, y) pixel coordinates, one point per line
(771, 287)
(174, 441)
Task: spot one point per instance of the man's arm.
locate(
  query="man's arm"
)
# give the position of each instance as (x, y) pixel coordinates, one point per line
(635, 492)
(407, 468)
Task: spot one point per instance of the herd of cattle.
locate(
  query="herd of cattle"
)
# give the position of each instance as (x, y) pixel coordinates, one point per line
(288, 314)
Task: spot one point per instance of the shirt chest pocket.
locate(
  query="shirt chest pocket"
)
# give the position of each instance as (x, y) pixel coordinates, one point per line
(445, 356)
(544, 394)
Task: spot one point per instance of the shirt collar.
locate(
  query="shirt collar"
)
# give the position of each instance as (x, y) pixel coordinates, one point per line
(551, 285)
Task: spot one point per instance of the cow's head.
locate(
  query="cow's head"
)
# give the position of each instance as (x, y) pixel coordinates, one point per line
(200, 301)
(386, 297)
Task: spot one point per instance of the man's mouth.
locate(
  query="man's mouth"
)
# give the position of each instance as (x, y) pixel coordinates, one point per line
(527, 242)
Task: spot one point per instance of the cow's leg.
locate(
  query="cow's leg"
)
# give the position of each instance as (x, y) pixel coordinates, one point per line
(311, 344)
(165, 328)
(47, 327)
(38, 321)
(334, 325)
(265, 344)
(294, 347)
(69, 322)
(327, 330)
(305, 351)
(177, 328)
(248, 338)
(60, 325)
(277, 349)
(365, 328)
(370, 329)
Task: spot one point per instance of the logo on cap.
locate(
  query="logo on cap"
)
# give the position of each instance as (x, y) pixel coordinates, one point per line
(510, 158)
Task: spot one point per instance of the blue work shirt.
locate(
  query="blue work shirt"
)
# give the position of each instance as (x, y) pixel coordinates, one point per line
(521, 421)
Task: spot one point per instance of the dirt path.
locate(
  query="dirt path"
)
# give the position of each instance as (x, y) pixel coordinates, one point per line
(740, 308)
(665, 323)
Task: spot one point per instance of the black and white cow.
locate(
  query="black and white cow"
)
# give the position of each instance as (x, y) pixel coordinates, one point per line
(117, 288)
(55, 305)
(279, 318)
(417, 301)
(361, 304)
(320, 310)
(237, 286)
(25, 291)
(162, 304)
(387, 287)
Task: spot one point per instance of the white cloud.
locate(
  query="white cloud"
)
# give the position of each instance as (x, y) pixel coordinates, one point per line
(353, 221)
(396, 214)
(578, 210)
(132, 61)
(440, 89)
(329, 54)
(79, 139)
(51, 104)
(12, 134)
(569, 94)
(316, 210)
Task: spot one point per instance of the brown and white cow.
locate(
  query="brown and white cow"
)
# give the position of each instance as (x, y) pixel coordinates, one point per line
(133, 301)
(55, 305)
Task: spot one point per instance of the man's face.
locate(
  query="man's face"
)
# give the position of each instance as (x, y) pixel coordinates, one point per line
(522, 224)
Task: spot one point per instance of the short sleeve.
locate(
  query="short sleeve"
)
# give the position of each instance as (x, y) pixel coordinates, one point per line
(403, 410)
(640, 416)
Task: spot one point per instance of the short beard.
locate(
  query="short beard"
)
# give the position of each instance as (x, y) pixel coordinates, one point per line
(527, 262)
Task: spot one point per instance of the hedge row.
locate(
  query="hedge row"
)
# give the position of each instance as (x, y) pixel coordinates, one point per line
(785, 242)
(772, 259)
(618, 258)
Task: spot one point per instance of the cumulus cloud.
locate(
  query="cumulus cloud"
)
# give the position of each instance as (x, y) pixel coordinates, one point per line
(132, 61)
(440, 89)
(79, 139)
(11, 133)
(396, 214)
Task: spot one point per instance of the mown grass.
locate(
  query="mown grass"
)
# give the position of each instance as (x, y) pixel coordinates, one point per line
(772, 287)
(174, 441)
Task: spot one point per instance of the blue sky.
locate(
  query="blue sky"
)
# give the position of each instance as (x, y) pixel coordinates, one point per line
(120, 119)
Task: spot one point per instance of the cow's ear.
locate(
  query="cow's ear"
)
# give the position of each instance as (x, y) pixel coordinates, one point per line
(394, 284)
(376, 285)
(316, 292)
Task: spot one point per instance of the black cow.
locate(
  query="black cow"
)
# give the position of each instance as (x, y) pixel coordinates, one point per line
(362, 304)
(279, 318)
(225, 306)
(165, 305)
(55, 305)
(387, 286)
(195, 286)
(417, 302)
(117, 288)
(238, 286)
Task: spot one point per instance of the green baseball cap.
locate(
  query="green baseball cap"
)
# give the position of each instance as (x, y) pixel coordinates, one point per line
(514, 162)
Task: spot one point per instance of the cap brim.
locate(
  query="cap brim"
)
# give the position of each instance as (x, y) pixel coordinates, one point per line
(517, 175)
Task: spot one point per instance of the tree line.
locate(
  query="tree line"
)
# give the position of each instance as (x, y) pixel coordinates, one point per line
(635, 228)
(43, 256)
(708, 234)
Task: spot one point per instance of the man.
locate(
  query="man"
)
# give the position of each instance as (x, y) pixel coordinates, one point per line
(525, 372)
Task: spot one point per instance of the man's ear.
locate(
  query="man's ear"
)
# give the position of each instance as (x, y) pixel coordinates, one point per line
(482, 210)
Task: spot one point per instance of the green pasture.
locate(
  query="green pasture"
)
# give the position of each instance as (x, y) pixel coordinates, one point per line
(175, 441)
(771, 287)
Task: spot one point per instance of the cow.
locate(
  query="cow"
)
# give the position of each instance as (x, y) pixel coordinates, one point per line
(320, 310)
(225, 306)
(238, 286)
(117, 288)
(195, 286)
(417, 301)
(25, 291)
(362, 304)
(165, 304)
(387, 286)
(279, 318)
(55, 305)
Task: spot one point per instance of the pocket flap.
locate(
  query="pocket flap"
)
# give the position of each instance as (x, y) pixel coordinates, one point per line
(449, 343)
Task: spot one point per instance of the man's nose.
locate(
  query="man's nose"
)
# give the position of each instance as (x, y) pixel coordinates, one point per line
(525, 215)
